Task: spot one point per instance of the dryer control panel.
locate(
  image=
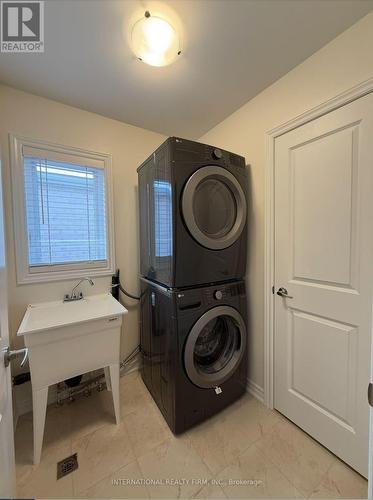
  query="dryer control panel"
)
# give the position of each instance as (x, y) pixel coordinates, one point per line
(206, 153)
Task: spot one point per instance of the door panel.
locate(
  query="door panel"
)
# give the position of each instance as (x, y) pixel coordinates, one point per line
(313, 377)
(370, 472)
(7, 467)
(323, 257)
(324, 211)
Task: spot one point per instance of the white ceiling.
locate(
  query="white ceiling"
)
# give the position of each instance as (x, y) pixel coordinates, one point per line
(232, 49)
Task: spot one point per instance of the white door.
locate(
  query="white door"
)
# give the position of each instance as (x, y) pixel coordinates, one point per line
(370, 473)
(7, 468)
(324, 259)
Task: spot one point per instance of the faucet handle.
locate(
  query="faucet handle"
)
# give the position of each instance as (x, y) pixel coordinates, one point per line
(72, 297)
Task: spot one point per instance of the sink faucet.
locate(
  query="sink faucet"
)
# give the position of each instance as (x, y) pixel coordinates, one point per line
(73, 295)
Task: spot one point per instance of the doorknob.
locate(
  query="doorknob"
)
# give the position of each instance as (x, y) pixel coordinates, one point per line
(282, 292)
(10, 355)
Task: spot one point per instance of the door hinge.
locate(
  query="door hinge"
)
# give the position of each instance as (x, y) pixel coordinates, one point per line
(370, 394)
(273, 290)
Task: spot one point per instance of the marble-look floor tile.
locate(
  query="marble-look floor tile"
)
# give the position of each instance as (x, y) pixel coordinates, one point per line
(245, 441)
(57, 418)
(90, 414)
(40, 481)
(228, 434)
(100, 453)
(210, 491)
(146, 428)
(301, 459)
(341, 482)
(178, 466)
(252, 475)
(126, 482)
(257, 417)
(134, 396)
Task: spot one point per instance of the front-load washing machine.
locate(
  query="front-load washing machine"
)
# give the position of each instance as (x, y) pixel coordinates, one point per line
(193, 211)
(193, 344)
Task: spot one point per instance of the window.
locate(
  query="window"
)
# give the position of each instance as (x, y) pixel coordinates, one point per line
(62, 212)
(65, 212)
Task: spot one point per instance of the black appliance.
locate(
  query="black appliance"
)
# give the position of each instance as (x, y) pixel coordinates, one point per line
(192, 214)
(194, 349)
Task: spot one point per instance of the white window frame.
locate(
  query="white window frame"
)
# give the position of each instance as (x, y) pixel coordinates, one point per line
(25, 273)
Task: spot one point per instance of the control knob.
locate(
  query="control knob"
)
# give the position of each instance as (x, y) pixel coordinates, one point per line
(217, 154)
(218, 295)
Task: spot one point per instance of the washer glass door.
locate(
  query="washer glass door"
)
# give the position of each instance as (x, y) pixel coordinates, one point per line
(215, 346)
(214, 207)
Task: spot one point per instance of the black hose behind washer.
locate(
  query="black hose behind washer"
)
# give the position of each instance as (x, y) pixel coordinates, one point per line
(116, 286)
(135, 297)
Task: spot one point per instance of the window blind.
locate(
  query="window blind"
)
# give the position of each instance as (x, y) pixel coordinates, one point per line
(66, 212)
(163, 218)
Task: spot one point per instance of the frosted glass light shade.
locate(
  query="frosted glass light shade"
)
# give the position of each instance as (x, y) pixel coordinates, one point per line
(154, 41)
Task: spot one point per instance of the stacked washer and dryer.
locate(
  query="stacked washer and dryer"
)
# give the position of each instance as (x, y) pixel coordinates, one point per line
(193, 241)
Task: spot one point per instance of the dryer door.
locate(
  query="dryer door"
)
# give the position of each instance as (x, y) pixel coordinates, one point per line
(215, 346)
(214, 207)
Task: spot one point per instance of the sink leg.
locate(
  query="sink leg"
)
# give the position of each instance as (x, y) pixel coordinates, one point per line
(114, 379)
(107, 378)
(39, 405)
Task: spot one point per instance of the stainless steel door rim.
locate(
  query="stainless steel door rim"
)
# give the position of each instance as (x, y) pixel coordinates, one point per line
(230, 182)
(210, 380)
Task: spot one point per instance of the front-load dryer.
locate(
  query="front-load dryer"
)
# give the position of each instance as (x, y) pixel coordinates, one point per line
(193, 212)
(194, 349)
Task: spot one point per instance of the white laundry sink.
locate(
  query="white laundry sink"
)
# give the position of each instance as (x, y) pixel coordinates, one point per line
(66, 339)
(50, 315)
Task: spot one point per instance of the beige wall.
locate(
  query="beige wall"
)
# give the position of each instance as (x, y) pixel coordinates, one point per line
(344, 62)
(31, 116)
(338, 66)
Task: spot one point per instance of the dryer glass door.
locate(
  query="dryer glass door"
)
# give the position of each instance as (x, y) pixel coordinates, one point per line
(214, 207)
(215, 346)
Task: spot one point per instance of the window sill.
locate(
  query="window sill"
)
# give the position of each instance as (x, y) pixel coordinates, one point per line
(45, 277)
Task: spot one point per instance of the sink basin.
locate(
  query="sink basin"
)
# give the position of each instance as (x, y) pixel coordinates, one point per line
(66, 339)
(51, 315)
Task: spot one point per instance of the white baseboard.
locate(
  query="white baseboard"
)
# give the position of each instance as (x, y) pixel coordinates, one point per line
(133, 366)
(255, 390)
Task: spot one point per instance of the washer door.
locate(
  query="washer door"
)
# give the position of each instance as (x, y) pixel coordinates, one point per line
(215, 346)
(214, 207)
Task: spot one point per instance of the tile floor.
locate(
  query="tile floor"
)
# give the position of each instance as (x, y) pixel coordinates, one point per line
(247, 451)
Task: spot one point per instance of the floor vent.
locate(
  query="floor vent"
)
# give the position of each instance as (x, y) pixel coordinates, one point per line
(67, 465)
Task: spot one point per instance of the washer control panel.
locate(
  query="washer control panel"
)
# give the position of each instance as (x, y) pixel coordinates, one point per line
(201, 297)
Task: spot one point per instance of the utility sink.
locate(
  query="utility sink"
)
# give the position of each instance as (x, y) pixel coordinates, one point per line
(50, 315)
(66, 339)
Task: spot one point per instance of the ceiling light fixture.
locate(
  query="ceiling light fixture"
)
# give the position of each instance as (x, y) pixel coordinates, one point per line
(154, 41)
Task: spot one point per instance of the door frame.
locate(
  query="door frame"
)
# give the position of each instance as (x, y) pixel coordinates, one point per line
(332, 104)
